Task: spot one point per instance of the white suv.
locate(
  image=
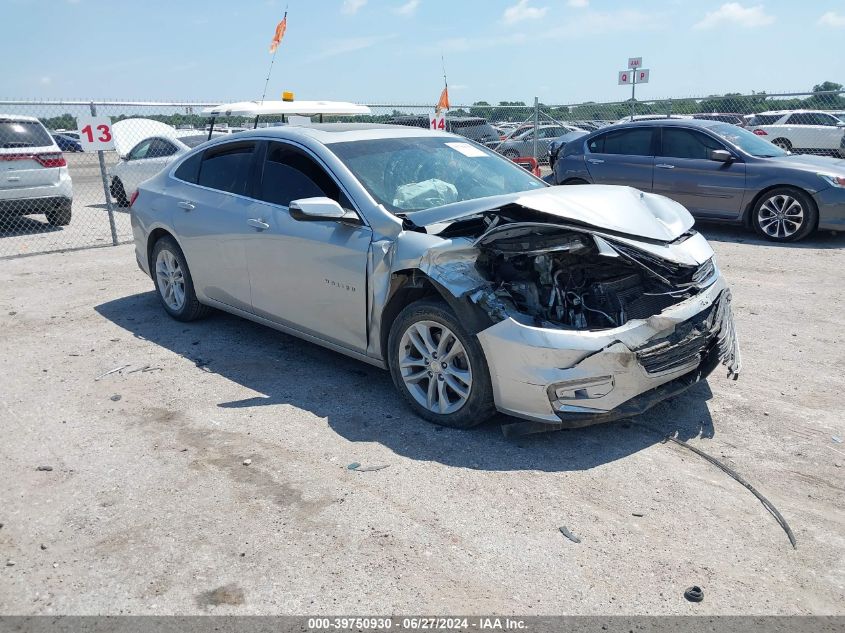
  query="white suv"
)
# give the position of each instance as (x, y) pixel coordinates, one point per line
(33, 172)
(801, 131)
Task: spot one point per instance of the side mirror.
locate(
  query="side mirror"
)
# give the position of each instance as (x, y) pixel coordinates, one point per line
(840, 124)
(316, 209)
(721, 155)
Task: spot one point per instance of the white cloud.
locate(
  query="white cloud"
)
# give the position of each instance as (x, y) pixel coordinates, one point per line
(350, 45)
(408, 9)
(521, 11)
(352, 6)
(832, 18)
(734, 14)
(578, 4)
(45, 80)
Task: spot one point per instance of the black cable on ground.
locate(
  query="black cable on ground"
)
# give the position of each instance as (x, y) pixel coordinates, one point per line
(730, 471)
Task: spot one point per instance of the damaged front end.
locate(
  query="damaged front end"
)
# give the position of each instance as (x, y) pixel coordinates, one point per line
(584, 325)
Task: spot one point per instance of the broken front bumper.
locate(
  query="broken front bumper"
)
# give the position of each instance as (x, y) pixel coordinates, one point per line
(569, 379)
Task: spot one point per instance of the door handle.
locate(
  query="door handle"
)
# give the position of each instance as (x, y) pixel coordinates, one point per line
(188, 206)
(595, 161)
(258, 223)
(665, 166)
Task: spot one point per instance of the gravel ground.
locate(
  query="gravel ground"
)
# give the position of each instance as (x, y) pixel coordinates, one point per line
(150, 508)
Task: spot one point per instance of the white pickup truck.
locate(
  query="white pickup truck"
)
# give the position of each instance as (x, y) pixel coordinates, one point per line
(801, 131)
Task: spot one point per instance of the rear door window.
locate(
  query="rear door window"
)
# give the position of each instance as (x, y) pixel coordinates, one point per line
(15, 133)
(189, 170)
(225, 167)
(632, 142)
(289, 173)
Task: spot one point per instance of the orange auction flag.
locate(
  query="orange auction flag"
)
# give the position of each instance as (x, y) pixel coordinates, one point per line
(443, 104)
(279, 34)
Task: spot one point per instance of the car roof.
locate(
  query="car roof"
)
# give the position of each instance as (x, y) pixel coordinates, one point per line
(16, 117)
(327, 133)
(663, 122)
(782, 112)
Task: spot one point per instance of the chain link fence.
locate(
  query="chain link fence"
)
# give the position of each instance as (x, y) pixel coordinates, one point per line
(56, 197)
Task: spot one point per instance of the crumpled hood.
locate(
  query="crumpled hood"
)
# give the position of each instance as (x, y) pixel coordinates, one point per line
(609, 207)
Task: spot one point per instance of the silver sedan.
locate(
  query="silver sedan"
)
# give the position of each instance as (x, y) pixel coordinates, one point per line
(475, 284)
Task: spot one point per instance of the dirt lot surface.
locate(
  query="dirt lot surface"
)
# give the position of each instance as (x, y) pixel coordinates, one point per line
(149, 507)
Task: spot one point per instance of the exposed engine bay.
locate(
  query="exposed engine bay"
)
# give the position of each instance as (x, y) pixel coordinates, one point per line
(572, 279)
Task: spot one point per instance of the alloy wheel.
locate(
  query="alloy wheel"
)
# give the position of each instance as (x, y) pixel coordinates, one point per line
(171, 280)
(781, 216)
(435, 367)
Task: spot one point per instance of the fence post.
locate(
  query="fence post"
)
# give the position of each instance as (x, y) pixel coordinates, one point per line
(106, 191)
(536, 125)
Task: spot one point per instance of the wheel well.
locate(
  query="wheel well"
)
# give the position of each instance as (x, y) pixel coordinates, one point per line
(154, 237)
(406, 286)
(786, 141)
(749, 208)
(575, 181)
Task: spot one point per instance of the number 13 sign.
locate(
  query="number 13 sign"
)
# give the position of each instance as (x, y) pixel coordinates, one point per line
(95, 133)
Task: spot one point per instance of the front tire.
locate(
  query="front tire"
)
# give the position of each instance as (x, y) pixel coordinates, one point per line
(510, 153)
(173, 282)
(119, 193)
(438, 367)
(784, 214)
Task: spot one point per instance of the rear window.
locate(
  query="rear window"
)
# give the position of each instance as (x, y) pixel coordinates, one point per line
(632, 142)
(225, 167)
(15, 133)
(765, 119)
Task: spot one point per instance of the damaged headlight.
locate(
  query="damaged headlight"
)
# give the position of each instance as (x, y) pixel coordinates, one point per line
(833, 181)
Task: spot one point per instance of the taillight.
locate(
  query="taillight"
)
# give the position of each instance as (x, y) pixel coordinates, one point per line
(45, 160)
(760, 132)
(133, 197)
(50, 160)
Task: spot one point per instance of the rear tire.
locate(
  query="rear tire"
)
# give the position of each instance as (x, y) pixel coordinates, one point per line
(119, 193)
(173, 282)
(453, 390)
(783, 143)
(510, 153)
(60, 216)
(784, 214)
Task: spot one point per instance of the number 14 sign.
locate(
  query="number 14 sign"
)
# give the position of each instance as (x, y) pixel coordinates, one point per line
(437, 122)
(95, 133)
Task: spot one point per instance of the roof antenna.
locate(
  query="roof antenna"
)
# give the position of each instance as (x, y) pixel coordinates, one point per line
(280, 32)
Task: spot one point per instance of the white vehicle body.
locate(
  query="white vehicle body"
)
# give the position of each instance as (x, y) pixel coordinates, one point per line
(800, 130)
(34, 177)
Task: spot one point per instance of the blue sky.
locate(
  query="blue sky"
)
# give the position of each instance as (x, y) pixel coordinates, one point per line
(388, 51)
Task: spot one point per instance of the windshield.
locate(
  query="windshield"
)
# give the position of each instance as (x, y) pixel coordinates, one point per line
(411, 174)
(746, 141)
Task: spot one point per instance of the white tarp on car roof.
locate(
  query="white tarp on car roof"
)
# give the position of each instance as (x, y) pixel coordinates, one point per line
(305, 108)
(129, 132)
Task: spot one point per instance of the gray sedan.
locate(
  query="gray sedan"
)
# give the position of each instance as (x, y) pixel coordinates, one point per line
(716, 170)
(479, 287)
(523, 143)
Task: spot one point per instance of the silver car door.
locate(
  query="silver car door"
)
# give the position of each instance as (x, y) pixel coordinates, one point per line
(210, 218)
(309, 275)
(684, 172)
